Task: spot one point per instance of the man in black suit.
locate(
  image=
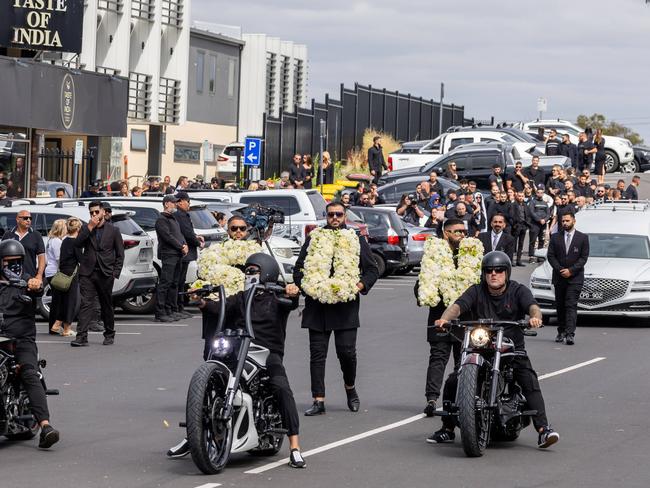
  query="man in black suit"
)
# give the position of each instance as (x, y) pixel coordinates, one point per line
(100, 266)
(496, 239)
(376, 161)
(568, 252)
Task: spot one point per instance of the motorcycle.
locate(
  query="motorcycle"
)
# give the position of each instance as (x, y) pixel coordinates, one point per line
(230, 407)
(17, 423)
(489, 404)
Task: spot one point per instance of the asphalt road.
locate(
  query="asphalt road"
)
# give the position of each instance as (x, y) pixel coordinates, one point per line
(120, 406)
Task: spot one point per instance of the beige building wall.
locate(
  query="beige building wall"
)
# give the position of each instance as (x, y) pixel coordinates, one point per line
(137, 164)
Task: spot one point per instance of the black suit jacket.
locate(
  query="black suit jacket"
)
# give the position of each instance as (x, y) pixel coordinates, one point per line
(376, 159)
(107, 255)
(187, 229)
(574, 260)
(506, 243)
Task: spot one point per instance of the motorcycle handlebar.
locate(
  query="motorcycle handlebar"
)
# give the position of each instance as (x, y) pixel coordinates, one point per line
(524, 324)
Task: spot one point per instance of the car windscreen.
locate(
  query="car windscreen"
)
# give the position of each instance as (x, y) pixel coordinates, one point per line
(288, 204)
(127, 225)
(318, 202)
(202, 218)
(619, 246)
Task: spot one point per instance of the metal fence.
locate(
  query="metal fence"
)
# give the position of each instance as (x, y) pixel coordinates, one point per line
(56, 165)
(403, 116)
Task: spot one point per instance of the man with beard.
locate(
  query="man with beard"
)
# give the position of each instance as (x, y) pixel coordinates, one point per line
(496, 239)
(535, 173)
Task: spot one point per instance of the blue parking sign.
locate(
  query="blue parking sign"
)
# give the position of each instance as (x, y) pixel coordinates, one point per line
(252, 151)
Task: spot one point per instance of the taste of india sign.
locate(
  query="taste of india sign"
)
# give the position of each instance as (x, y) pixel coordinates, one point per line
(42, 25)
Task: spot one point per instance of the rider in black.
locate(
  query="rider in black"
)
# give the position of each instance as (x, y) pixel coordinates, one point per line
(18, 320)
(498, 297)
(269, 321)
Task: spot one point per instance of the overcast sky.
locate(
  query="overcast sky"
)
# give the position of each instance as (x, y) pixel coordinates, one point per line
(496, 57)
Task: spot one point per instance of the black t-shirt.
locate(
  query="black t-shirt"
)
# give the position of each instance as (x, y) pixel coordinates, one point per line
(19, 315)
(33, 244)
(537, 175)
(583, 191)
(498, 179)
(585, 159)
(516, 182)
(553, 147)
(513, 305)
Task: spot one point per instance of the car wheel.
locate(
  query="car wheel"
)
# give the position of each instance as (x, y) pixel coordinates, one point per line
(44, 302)
(404, 271)
(141, 304)
(381, 264)
(611, 161)
(630, 167)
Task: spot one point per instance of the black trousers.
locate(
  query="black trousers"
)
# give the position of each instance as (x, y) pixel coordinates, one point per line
(96, 289)
(439, 353)
(536, 235)
(566, 303)
(526, 378)
(282, 393)
(179, 303)
(27, 356)
(375, 180)
(519, 233)
(167, 289)
(346, 350)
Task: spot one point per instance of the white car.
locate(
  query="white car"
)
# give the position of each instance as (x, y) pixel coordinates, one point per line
(227, 160)
(617, 273)
(618, 150)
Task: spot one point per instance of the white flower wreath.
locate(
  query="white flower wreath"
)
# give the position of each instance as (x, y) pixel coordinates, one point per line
(337, 249)
(216, 264)
(440, 277)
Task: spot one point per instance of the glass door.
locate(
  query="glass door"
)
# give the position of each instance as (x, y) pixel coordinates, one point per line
(14, 153)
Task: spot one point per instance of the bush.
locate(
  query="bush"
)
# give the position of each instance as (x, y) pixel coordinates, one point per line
(358, 158)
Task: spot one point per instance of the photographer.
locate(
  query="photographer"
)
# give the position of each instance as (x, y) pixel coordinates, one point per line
(18, 292)
(408, 209)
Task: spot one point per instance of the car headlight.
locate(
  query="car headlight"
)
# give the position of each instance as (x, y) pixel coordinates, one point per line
(541, 283)
(221, 347)
(283, 252)
(646, 154)
(640, 286)
(479, 337)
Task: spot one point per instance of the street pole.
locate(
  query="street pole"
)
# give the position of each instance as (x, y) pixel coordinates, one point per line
(323, 129)
(238, 167)
(442, 96)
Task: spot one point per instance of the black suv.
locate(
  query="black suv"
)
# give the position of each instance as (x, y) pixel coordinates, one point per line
(387, 236)
(474, 162)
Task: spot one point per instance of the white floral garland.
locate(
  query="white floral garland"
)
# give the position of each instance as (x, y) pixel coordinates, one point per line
(338, 249)
(216, 264)
(439, 276)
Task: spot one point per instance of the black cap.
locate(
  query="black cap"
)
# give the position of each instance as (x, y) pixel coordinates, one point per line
(3, 187)
(541, 187)
(107, 207)
(181, 195)
(170, 198)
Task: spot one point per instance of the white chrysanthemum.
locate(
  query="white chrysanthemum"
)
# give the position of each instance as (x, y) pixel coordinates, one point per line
(216, 263)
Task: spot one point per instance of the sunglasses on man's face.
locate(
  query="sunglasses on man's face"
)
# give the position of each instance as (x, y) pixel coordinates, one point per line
(335, 214)
(25, 218)
(235, 228)
(495, 270)
(458, 232)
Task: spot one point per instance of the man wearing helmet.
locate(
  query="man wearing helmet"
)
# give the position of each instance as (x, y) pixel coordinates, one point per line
(498, 297)
(18, 320)
(269, 320)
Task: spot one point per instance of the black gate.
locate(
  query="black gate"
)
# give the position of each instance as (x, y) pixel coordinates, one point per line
(58, 166)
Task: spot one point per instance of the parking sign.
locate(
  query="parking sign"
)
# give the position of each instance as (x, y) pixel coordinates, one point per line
(252, 151)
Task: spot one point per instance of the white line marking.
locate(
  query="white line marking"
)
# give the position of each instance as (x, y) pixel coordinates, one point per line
(52, 342)
(570, 368)
(117, 333)
(393, 283)
(394, 425)
(151, 325)
(381, 288)
(209, 485)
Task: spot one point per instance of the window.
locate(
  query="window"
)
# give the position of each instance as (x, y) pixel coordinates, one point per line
(49, 222)
(298, 81)
(187, 152)
(169, 103)
(231, 77)
(460, 141)
(376, 219)
(144, 217)
(288, 204)
(232, 150)
(406, 187)
(460, 160)
(203, 219)
(318, 202)
(139, 96)
(484, 161)
(138, 140)
(212, 82)
(126, 225)
(618, 246)
(200, 70)
(270, 84)
(7, 221)
(142, 9)
(172, 12)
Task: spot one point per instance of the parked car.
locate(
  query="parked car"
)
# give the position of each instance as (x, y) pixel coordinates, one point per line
(475, 161)
(392, 192)
(387, 236)
(138, 276)
(641, 158)
(227, 160)
(416, 238)
(304, 210)
(618, 149)
(617, 273)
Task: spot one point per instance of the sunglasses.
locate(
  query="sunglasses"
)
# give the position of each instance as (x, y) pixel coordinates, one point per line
(458, 231)
(252, 270)
(235, 228)
(25, 218)
(335, 214)
(94, 212)
(495, 270)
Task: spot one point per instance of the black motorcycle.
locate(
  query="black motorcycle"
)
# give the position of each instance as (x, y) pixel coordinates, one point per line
(230, 406)
(489, 405)
(16, 420)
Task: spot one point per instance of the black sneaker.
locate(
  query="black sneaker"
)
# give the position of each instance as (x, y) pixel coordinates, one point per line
(570, 340)
(96, 327)
(180, 450)
(441, 436)
(296, 460)
(78, 342)
(317, 408)
(547, 438)
(108, 341)
(559, 337)
(163, 318)
(49, 437)
(430, 409)
(186, 314)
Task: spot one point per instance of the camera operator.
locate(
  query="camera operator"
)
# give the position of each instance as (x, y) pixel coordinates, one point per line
(408, 209)
(18, 320)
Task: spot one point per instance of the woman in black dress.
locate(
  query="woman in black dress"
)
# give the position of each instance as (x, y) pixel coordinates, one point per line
(599, 146)
(68, 264)
(308, 166)
(328, 170)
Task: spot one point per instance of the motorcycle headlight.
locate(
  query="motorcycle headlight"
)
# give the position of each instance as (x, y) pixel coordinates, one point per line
(221, 347)
(479, 337)
(283, 252)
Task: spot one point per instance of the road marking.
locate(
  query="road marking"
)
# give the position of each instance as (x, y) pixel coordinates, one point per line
(381, 288)
(117, 333)
(394, 425)
(150, 325)
(209, 485)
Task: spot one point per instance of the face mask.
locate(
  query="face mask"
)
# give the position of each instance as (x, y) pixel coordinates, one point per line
(13, 270)
(251, 281)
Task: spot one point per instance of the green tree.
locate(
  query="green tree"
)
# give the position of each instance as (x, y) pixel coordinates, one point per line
(610, 128)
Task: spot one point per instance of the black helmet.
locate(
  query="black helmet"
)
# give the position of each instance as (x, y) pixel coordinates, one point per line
(11, 248)
(496, 259)
(269, 269)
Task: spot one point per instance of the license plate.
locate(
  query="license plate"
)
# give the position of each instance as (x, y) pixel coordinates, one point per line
(591, 295)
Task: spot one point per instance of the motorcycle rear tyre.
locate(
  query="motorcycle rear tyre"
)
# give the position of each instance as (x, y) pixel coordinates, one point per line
(473, 439)
(208, 384)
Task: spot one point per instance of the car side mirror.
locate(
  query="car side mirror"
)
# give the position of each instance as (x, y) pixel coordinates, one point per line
(541, 253)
